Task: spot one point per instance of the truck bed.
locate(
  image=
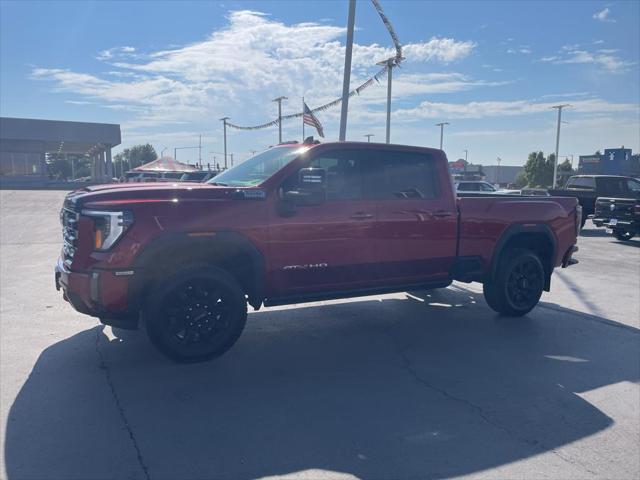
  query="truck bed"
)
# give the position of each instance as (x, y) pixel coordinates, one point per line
(485, 218)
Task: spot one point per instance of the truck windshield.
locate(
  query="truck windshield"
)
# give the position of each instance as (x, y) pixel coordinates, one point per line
(257, 169)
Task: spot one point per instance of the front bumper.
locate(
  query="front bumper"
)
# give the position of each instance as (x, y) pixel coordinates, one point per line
(99, 293)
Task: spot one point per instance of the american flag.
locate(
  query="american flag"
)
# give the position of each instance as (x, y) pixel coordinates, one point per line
(310, 119)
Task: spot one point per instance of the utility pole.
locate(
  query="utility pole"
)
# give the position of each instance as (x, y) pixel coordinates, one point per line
(441, 125)
(200, 149)
(369, 135)
(389, 64)
(279, 100)
(466, 152)
(224, 124)
(347, 70)
(555, 163)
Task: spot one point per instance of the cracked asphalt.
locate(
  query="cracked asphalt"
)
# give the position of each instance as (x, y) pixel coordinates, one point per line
(405, 386)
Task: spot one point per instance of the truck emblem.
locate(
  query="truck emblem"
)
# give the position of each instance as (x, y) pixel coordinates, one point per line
(306, 266)
(612, 207)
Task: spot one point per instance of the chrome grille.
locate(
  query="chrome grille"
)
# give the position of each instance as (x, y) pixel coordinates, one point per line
(69, 219)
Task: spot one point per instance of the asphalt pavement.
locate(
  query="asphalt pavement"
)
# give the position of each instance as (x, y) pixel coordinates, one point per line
(404, 386)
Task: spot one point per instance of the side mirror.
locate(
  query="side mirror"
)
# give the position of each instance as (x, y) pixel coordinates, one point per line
(311, 188)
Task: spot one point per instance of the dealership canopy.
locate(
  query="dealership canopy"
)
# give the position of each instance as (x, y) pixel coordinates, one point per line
(165, 164)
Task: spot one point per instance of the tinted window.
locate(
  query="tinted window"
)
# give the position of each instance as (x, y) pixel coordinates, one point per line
(403, 175)
(611, 187)
(465, 187)
(633, 185)
(485, 187)
(581, 182)
(343, 174)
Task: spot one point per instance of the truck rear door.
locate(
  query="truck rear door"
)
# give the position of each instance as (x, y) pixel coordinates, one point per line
(416, 223)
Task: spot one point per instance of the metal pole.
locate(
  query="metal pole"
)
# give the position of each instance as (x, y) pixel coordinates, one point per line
(200, 149)
(465, 155)
(279, 100)
(224, 123)
(555, 162)
(389, 76)
(175, 153)
(441, 125)
(498, 170)
(347, 71)
(369, 135)
(231, 159)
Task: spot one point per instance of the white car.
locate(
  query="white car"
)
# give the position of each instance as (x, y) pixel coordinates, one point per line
(477, 186)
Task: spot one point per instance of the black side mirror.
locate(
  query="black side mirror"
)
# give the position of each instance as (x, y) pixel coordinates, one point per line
(311, 188)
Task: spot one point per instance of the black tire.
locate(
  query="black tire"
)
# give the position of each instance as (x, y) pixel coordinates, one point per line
(518, 284)
(195, 315)
(623, 235)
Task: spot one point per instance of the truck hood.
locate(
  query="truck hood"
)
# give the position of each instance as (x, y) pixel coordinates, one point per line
(131, 193)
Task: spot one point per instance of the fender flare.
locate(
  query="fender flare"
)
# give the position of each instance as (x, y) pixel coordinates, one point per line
(518, 229)
(149, 254)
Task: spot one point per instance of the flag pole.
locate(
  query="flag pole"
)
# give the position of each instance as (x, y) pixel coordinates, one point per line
(303, 119)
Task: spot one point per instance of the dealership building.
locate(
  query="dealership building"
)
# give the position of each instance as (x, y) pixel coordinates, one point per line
(25, 143)
(614, 161)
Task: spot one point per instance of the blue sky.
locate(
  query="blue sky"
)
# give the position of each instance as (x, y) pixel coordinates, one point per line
(167, 71)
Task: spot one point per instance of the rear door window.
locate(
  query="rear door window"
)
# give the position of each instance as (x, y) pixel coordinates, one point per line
(404, 175)
(582, 182)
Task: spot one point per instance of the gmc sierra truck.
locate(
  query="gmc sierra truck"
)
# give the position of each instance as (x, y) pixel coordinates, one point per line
(298, 223)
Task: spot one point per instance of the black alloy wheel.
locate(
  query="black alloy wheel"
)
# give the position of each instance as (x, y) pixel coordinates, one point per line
(198, 315)
(517, 285)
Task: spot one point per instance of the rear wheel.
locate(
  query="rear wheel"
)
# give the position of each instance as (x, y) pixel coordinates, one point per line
(518, 283)
(197, 315)
(623, 235)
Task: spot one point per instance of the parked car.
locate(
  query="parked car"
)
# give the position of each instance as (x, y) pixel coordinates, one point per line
(300, 223)
(199, 176)
(586, 188)
(620, 216)
(474, 186)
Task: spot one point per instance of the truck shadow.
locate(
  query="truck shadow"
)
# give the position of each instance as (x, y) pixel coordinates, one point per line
(424, 385)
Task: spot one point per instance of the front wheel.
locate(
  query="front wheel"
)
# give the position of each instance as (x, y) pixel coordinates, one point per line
(623, 235)
(196, 315)
(518, 283)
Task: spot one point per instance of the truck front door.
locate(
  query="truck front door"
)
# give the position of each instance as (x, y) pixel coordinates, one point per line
(325, 247)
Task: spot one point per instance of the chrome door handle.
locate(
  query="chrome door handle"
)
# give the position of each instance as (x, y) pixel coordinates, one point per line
(442, 214)
(361, 216)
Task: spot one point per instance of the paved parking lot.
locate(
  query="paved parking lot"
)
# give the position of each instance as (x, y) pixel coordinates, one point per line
(418, 385)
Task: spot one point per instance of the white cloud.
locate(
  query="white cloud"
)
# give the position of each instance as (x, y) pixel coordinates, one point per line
(606, 58)
(253, 57)
(603, 16)
(506, 108)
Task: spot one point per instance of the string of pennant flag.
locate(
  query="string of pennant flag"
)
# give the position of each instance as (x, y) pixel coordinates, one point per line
(390, 63)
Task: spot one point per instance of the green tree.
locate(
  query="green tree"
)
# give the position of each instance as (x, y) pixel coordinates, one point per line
(134, 157)
(539, 170)
(521, 179)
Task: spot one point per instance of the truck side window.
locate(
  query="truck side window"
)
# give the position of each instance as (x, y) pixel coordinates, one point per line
(582, 182)
(344, 175)
(633, 186)
(405, 175)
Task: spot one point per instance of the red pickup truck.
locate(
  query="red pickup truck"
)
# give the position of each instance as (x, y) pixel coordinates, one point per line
(297, 223)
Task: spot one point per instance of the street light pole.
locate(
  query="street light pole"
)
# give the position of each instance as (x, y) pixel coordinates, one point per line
(441, 125)
(369, 135)
(224, 124)
(347, 71)
(555, 163)
(200, 150)
(279, 100)
(498, 170)
(389, 64)
(466, 152)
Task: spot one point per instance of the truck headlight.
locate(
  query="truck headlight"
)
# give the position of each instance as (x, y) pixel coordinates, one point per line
(108, 227)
